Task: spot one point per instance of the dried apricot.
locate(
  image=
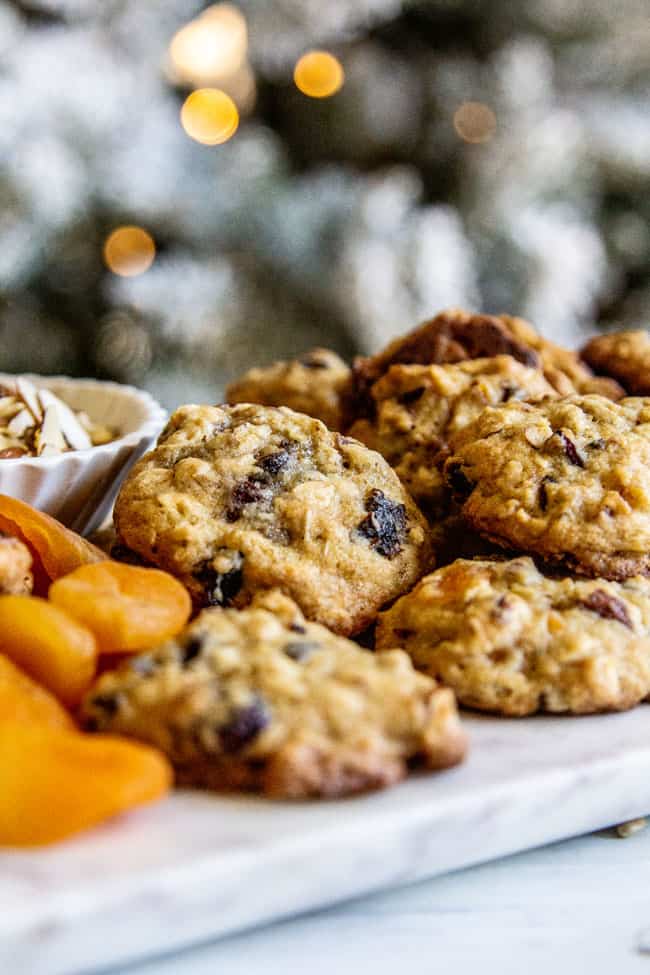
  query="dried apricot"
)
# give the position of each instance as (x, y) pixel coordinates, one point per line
(127, 607)
(25, 701)
(49, 645)
(54, 547)
(54, 783)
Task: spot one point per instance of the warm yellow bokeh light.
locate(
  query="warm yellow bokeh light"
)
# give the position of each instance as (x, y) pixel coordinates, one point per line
(318, 74)
(209, 116)
(129, 251)
(475, 122)
(209, 48)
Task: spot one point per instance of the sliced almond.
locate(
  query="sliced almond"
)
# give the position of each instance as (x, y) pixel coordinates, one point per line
(9, 406)
(98, 434)
(29, 395)
(71, 429)
(20, 423)
(536, 436)
(49, 438)
(34, 421)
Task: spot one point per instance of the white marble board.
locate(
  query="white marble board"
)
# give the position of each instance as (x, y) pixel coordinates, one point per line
(197, 866)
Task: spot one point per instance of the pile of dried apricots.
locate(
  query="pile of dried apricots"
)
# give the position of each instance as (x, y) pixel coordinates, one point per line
(54, 779)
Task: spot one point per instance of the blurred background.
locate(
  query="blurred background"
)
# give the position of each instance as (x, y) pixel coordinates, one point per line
(187, 189)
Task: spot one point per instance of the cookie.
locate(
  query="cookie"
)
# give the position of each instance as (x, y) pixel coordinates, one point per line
(260, 699)
(564, 368)
(567, 479)
(15, 567)
(452, 336)
(419, 410)
(510, 640)
(623, 355)
(313, 384)
(236, 499)
(457, 335)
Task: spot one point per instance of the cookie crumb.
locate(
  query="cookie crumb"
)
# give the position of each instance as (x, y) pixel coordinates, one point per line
(631, 827)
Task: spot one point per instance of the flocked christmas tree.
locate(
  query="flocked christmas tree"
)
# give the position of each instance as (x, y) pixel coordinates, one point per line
(490, 154)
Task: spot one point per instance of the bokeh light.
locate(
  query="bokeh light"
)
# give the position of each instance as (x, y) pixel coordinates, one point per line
(209, 116)
(209, 48)
(242, 88)
(318, 74)
(129, 251)
(123, 345)
(475, 122)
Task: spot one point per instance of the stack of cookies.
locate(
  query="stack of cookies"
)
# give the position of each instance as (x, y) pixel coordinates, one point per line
(473, 501)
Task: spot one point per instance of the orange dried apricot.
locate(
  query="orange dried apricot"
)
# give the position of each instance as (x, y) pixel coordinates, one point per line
(54, 547)
(127, 607)
(54, 783)
(25, 701)
(49, 645)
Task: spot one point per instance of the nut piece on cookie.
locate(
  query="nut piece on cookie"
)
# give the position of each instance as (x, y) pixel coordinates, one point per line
(15, 567)
(260, 699)
(623, 355)
(313, 384)
(567, 479)
(237, 499)
(455, 336)
(418, 411)
(509, 640)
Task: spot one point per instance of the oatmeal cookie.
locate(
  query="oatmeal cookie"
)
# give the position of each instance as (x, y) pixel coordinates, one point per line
(235, 499)
(313, 384)
(510, 640)
(623, 355)
(15, 567)
(567, 479)
(260, 699)
(563, 368)
(457, 335)
(419, 410)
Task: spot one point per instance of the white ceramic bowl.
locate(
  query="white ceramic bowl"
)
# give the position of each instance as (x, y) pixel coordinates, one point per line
(79, 487)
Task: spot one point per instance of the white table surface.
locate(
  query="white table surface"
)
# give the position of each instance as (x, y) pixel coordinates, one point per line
(578, 906)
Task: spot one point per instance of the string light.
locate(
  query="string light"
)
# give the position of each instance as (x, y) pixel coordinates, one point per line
(209, 48)
(209, 116)
(211, 51)
(318, 74)
(129, 251)
(475, 122)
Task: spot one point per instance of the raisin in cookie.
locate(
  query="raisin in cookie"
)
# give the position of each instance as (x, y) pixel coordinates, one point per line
(623, 355)
(313, 384)
(260, 699)
(15, 567)
(236, 499)
(508, 639)
(457, 335)
(419, 410)
(568, 479)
